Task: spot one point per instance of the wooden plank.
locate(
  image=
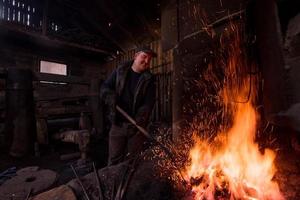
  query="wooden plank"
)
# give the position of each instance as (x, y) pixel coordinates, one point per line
(8, 28)
(59, 97)
(45, 112)
(60, 78)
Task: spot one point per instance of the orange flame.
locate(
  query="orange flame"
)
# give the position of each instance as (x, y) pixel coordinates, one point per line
(237, 166)
(232, 167)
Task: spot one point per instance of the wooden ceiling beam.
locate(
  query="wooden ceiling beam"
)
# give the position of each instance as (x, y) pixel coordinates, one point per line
(90, 20)
(5, 28)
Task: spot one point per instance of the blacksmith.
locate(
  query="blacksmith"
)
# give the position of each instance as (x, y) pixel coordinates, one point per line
(131, 86)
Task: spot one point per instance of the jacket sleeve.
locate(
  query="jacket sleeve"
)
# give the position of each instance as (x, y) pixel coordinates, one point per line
(108, 86)
(143, 113)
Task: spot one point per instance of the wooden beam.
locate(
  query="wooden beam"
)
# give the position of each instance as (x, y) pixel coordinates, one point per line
(45, 17)
(59, 97)
(88, 20)
(60, 78)
(64, 110)
(6, 27)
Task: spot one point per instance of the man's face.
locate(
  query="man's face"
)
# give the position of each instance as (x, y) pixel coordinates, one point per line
(142, 61)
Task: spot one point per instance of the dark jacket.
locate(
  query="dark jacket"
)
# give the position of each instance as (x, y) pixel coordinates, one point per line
(144, 96)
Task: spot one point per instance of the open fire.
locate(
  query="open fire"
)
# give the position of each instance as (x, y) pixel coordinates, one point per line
(236, 169)
(232, 166)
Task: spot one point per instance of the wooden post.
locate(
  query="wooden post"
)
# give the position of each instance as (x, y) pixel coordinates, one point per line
(20, 119)
(45, 18)
(270, 49)
(96, 107)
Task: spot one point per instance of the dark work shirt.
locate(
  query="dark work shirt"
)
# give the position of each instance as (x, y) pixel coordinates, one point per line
(144, 103)
(127, 96)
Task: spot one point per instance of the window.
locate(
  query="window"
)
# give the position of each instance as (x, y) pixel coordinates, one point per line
(53, 68)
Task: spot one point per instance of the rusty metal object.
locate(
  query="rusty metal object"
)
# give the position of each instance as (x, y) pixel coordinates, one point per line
(62, 193)
(80, 137)
(36, 181)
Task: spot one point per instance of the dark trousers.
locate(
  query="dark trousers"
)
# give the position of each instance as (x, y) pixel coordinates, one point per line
(125, 142)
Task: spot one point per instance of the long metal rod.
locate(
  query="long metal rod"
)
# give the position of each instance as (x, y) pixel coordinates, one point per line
(170, 155)
(98, 182)
(80, 183)
(130, 174)
(28, 194)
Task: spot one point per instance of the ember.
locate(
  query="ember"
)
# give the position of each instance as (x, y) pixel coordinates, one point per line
(231, 166)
